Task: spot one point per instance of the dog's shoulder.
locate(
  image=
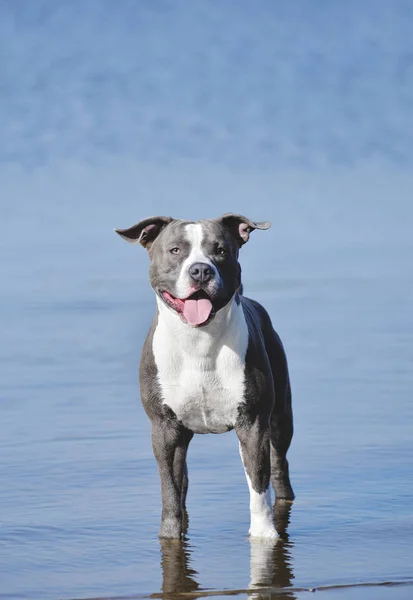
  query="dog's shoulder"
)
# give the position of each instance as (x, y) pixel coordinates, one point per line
(255, 313)
(258, 318)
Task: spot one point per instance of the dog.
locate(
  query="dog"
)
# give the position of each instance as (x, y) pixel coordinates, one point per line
(211, 362)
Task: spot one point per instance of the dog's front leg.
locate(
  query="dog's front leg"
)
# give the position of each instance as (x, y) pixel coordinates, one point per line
(254, 446)
(170, 442)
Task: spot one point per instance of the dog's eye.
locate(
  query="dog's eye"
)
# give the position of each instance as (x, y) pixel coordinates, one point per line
(174, 250)
(221, 251)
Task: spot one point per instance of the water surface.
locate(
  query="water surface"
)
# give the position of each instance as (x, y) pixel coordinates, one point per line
(80, 501)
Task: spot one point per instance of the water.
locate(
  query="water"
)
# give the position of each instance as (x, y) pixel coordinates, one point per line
(80, 500)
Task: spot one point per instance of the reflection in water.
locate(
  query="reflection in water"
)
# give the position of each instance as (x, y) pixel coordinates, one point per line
(177, 576)
(270, 563)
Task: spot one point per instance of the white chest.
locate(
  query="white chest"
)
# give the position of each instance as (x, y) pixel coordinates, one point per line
(201, 370)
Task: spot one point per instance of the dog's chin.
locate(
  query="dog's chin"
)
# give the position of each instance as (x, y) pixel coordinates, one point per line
(197, 310)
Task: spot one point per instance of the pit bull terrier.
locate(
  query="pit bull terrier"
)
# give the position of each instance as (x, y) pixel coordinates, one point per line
(211, 362)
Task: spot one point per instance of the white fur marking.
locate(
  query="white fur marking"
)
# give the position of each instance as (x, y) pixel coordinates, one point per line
(195, 236)
(201, 369)
(262, 523)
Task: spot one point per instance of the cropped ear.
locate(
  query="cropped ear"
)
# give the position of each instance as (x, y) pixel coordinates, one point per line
(145, 232)
(241, 227)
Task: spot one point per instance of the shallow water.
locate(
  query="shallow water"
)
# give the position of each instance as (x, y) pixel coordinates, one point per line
(80, 501)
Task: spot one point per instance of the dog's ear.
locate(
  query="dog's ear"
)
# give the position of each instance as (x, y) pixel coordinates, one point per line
(241, 227)
(145, 232)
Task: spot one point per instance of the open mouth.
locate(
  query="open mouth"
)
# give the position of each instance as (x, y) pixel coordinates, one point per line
(195, 310)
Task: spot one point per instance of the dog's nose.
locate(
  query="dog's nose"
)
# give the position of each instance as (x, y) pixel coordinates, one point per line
(201, 272)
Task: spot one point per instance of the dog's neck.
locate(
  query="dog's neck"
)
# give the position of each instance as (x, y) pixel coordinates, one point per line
(224, 329)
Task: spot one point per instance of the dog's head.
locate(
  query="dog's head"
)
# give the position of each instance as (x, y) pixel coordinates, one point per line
(194, 265)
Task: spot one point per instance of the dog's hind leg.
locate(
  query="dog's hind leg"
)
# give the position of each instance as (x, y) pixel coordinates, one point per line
(281, 423)
(185, 482)
(184, 492)
(281, 420)
(281, 433)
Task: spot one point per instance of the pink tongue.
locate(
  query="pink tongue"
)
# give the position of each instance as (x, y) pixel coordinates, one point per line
(197, 312)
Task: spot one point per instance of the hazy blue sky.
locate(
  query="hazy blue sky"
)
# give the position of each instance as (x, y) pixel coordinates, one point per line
(245, 83)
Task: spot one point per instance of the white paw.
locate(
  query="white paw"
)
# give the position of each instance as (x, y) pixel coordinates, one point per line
(262, 526)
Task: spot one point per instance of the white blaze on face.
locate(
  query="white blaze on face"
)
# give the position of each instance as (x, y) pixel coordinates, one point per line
(195, 235)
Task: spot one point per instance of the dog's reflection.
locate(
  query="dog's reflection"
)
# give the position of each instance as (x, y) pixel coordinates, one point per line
(270, 562)
(177, 576)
